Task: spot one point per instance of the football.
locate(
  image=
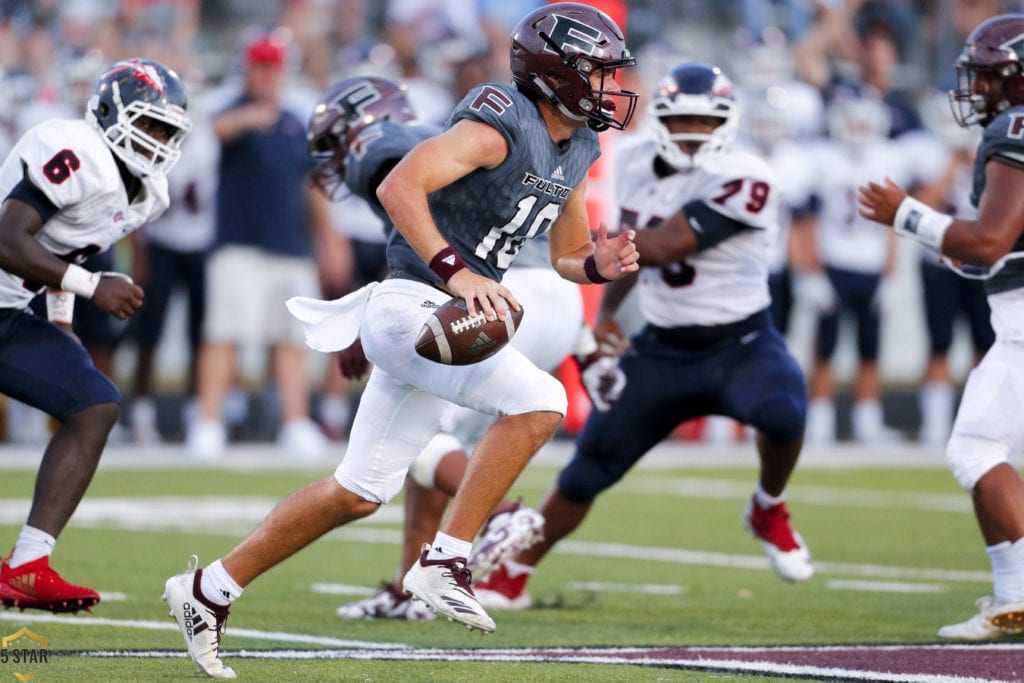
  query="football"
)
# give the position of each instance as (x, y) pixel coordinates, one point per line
(454, 337)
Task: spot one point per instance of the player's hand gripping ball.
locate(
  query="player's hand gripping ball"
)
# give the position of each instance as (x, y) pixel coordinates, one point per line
(454, 337)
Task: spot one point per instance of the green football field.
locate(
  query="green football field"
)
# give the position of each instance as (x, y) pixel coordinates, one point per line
(663, 561)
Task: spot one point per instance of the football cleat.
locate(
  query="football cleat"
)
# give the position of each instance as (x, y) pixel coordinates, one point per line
(991, 621)
(34, 585)
(504, 535)
(502, 591)
(445, 586)
(787, 551)
(388, 603)
(201, 622)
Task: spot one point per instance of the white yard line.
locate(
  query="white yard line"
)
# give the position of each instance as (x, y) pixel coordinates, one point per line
(884, 586)
(830, 496)
(169, 625)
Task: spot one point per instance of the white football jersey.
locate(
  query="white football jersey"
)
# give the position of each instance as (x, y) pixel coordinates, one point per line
(795, 183)
(847, 240)
(930, 157)
(69, 162)
(726, 282)
(189, 224)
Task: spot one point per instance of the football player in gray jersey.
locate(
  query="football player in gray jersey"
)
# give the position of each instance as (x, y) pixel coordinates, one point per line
(988, 431)
(510, 165)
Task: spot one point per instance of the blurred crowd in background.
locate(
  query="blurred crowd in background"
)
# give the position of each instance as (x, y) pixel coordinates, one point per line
(833, 93)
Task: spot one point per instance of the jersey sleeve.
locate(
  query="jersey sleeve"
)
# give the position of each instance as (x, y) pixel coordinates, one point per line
(746, 193)
(1004, 139)
(494, 105)
(62, 168)
(378, 149)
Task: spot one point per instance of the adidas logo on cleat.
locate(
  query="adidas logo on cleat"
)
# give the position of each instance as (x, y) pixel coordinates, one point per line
(26, 583)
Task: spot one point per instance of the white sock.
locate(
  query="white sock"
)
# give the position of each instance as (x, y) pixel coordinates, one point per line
(32, 544)
(217, 585)
(719, 430)
(766, 500)
(936, 401)
(821, 421)
(515, 569)
(446, 547)
(1007, 570)
(867, 419)
(335, 412)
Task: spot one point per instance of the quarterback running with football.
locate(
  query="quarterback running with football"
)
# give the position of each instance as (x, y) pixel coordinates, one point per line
(72, 188)
(705, 217)
(510, 165)
(988, 430)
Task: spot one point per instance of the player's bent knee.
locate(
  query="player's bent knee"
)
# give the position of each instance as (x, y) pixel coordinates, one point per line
(781, 418)
(970, 458)
(425, 465)
(96, 415)
(544, 394)
(584, 480)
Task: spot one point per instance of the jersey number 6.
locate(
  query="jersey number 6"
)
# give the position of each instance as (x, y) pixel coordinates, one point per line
(61, 166)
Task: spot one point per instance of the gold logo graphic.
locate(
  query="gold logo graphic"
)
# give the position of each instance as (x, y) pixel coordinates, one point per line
(30, 651)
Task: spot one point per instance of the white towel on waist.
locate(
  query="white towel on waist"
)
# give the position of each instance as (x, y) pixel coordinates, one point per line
(331, 325)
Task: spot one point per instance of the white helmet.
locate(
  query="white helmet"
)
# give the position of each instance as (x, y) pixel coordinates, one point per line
(694, 89)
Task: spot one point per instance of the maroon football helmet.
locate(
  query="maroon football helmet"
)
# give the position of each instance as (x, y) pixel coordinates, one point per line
(556, 47)
(992, 53)
(341, 115)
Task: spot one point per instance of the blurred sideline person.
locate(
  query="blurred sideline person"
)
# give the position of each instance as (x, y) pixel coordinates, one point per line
(73, 188)
(705, 217)
(852, 260)
(272, 232)
(511, 157)
(987, 431)
(944, 160)
(171, 252)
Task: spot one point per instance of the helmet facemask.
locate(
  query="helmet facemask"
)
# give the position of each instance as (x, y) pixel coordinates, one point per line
(989, 72)
(971, 107)
(715, 101)
(581, 101)
(555, 51)
(119, 124)
(329, 174)
(340, 121)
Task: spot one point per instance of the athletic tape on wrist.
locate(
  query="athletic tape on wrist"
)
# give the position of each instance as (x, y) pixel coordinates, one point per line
(60, 306)
(80, 281)
(446, 263)
(920, 222)
(593, 274)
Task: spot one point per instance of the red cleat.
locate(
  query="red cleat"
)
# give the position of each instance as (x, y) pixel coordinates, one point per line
(35, 586)
(785, 549)
(501, 591)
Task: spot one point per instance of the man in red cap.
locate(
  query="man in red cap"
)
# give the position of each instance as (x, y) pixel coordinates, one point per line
(268, 221)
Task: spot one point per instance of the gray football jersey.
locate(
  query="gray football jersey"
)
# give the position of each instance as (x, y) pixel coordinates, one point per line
(377, 145)
(1003, 140)
(488, 214)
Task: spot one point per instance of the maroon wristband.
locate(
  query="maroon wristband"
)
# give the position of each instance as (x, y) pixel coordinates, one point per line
(590, 268)
(446, 263)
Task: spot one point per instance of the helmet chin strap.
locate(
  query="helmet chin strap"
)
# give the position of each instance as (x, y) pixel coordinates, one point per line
(553, 99)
